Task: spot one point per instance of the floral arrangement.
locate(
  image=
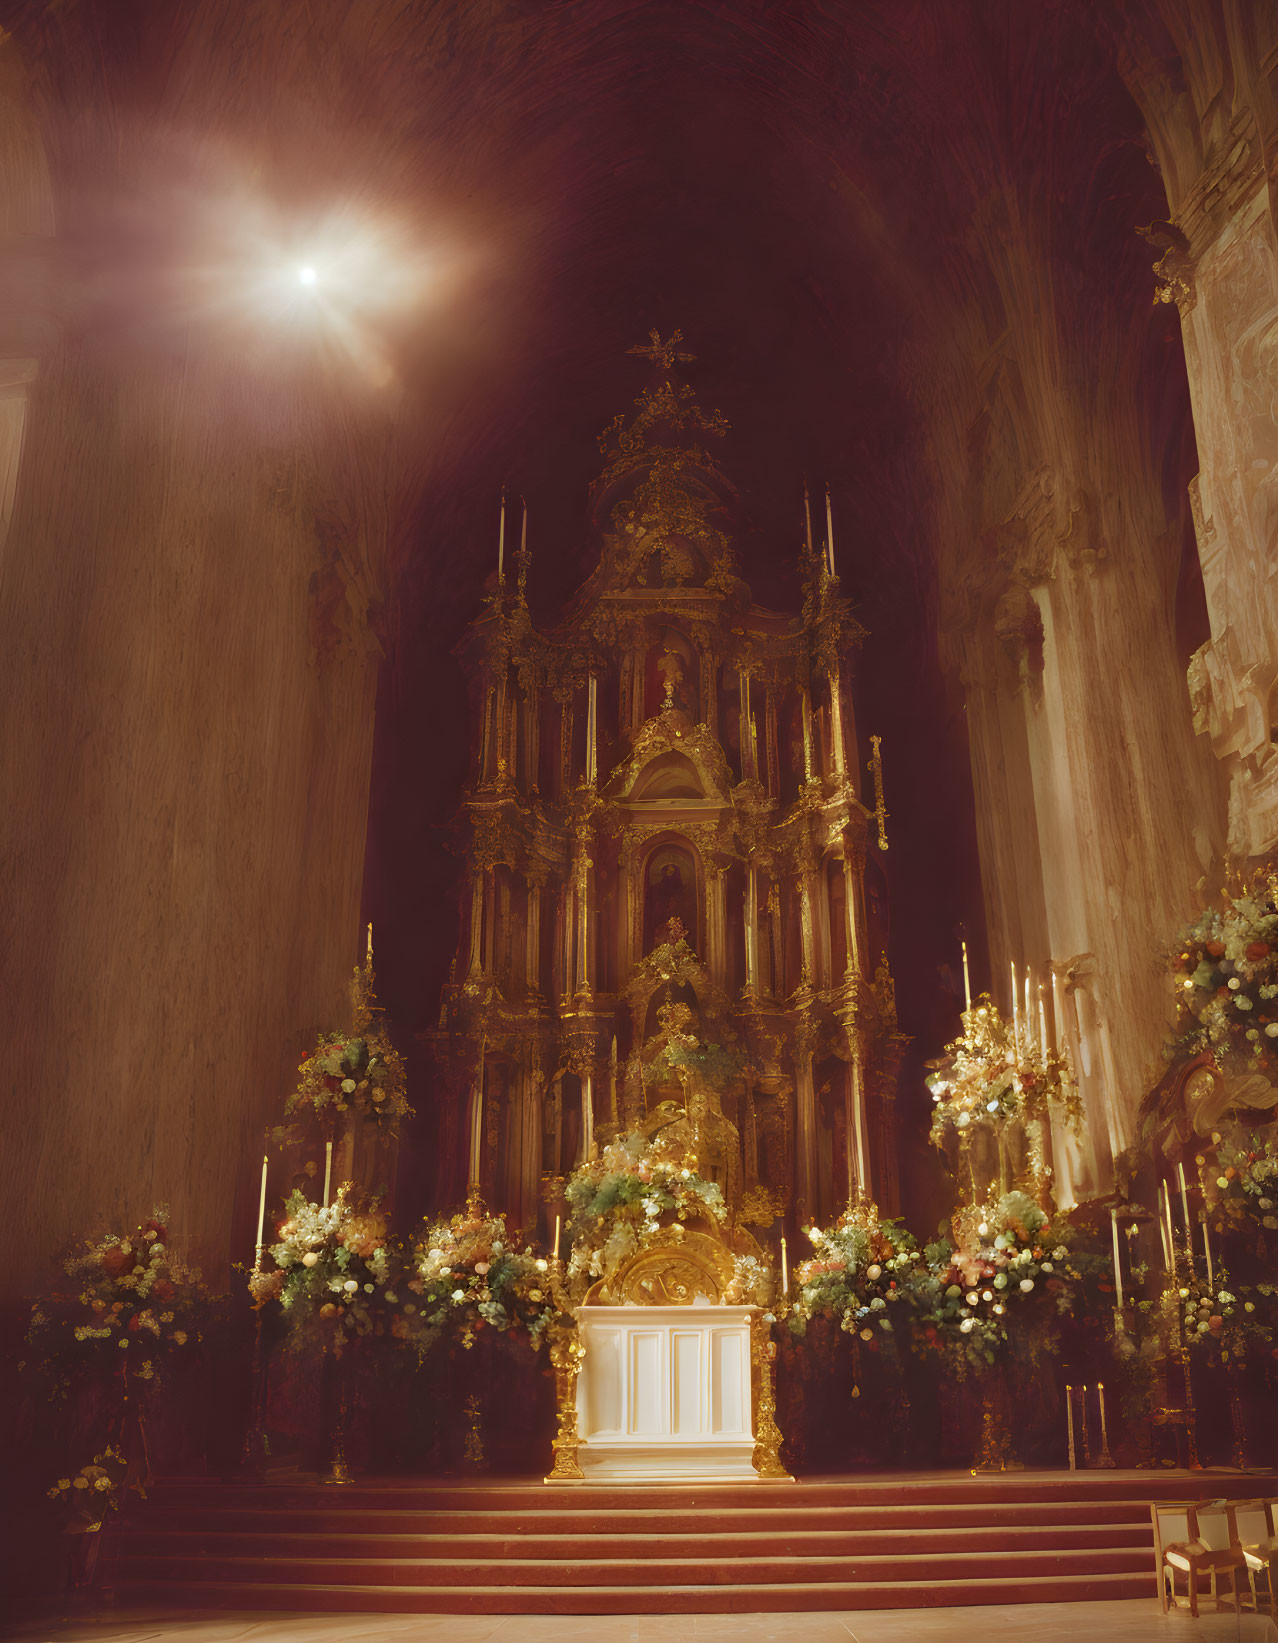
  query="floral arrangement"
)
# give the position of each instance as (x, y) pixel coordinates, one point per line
(130, 1309)
(993, 1073)
(336, 1269)
(1217, 1320)
(862, 1272)
(359, 1073)
(94, 1491)
(467, 1275)
(1226, 967)
(1247, 1181)
(618, 1201)
(1006, 1265)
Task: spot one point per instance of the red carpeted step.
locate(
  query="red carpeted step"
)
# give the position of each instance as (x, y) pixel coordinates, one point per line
(274, 1542)
(588, 1572)
(538, 1518)
(518, 1547)
(744, 1599)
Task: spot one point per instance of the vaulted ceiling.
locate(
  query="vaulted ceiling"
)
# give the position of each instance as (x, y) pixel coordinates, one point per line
(837, 201)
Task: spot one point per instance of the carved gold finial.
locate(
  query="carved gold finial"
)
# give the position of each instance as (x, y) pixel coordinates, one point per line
(661, 353)
(880, 809)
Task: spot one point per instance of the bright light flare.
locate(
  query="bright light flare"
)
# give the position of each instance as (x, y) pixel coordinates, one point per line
(306, 275)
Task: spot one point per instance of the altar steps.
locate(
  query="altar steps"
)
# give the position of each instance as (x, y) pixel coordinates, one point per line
(522, 1548)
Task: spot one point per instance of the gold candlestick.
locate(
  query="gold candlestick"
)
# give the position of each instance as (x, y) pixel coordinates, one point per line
(1069, 1421)
(1104, 1458)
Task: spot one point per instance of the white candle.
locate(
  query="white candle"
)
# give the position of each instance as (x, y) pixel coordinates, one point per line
(370, 944)
(1042, 1024)
(587, 1119)
(1100, 1391)
(1171, 1235)
(1118, 1265)
(1184, 1204)
(501, 540)
(556, 1237)
(1211, 1279)
(1016, 1010)
(1162, 1236)
(785, 1269)
(829, 532)
(967, 982)
(1058, 1015)
(1029, 1014)
(261, 1217)
(328, 1169)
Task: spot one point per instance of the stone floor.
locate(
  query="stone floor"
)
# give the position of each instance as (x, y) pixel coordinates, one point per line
(1138, 1621)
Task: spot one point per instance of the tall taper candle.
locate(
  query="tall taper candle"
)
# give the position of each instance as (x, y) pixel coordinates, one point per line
(370, 945)
(1171, 1232)
(261, 1217)
(785, 1269)
(328, 1169)
(829, 532)
(1100, 1392)
(1069, 1422)
(1211, 1277)
(1118, 1265)
(1184, 1204)
(1058, 1014)
(1042, 1023)
(556, 1237)
(501, 540)
(1029, 1013)
(1162, 1234)
(967, 982)
(1016, 1010)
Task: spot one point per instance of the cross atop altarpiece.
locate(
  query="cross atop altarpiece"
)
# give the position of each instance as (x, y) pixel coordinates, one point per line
(666, 354)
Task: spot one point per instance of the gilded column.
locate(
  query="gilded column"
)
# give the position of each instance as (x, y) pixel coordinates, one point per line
(809, 769)
(532, 737)
(770, 738)
(850, 918)
(582, 941)
(806, 932)
(836, 725)
(858, 1157)
(749, 755)
(475, 960)
(709, 693)
(532, 936)
(752, 932)
(716, 924)
(592, 729)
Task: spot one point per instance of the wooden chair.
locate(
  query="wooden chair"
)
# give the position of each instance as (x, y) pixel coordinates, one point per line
(1196, 1539)
(1252, 1526)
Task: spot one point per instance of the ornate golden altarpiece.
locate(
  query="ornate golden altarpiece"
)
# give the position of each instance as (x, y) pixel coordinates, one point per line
(665, 862)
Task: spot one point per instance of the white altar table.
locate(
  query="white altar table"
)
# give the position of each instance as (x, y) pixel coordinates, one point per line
(664, 1394)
